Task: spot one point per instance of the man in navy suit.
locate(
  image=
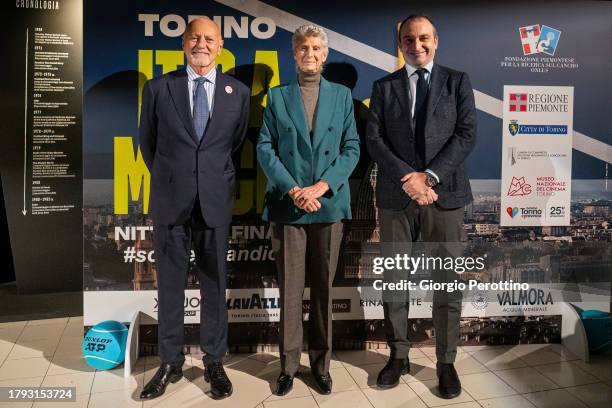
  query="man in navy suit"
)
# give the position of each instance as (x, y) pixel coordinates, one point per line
(421, 128)
(192, 121)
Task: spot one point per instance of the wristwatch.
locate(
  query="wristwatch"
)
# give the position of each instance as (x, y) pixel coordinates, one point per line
(430, 180)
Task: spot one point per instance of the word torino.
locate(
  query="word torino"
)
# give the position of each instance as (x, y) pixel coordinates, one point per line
(173, 25)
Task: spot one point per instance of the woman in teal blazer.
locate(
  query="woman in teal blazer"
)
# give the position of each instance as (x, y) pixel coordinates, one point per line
(308, 147)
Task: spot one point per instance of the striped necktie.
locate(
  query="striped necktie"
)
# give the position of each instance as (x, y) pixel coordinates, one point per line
(201, 111)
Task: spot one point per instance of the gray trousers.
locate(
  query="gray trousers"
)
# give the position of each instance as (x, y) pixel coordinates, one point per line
(398, 231)
(304, 250)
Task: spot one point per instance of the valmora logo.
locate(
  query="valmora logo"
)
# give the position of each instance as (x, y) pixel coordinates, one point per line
(529, 297)
(512, 211)
(519, 187)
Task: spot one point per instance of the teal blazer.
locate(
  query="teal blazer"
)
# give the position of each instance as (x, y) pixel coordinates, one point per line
(289, 158)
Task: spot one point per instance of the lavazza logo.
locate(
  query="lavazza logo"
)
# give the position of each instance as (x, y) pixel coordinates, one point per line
(539, 45)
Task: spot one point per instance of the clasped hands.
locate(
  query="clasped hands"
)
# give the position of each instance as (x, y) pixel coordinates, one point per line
(415, 187)
(306, 198)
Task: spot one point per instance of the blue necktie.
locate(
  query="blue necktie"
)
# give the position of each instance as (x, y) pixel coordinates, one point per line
(200, 107)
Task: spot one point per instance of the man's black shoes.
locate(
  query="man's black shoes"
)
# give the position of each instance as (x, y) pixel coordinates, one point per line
(390, 375)
(284, 384)
(157, 385)
(324, 383)
(220, 385)
(449, 385)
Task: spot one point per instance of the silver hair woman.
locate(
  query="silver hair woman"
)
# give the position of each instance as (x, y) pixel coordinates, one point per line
(308, 147)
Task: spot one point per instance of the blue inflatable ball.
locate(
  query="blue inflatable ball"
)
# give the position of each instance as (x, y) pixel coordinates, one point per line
(104, 345)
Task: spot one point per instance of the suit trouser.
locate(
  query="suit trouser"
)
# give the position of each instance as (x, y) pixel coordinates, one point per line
(302, 249)
(398, 230)
(173, 246)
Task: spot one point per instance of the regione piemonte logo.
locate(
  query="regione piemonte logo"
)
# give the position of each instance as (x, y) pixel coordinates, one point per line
(536, 39)
(518, 102)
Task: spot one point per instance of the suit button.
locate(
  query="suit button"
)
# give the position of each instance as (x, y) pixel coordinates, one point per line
(291, 153)
(289, 129)
(326, 152)
(331, 128)
(194, 172)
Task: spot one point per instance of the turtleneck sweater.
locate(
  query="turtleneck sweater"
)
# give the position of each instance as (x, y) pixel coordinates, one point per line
(309, 85)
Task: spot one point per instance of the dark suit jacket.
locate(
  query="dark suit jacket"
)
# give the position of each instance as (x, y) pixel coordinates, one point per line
(182, 168)
(450, 134)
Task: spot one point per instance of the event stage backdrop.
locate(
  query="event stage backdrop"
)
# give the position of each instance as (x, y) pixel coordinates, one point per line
(546, 44)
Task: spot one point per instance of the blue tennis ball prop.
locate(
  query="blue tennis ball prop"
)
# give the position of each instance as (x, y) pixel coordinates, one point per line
(104, 345)
(598, 327)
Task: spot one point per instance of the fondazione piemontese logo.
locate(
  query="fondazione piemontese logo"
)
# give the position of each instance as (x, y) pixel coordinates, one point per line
(539, 45)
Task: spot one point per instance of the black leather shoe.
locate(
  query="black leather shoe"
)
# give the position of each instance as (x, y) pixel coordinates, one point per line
(284, 384)
(389, 376)
(449, 385)
(220, 384)
(324, 382)
(157, 385)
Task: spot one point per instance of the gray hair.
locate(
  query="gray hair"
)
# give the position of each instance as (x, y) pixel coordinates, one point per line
(308, 30)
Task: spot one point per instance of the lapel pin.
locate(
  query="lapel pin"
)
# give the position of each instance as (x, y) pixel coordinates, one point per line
(228, 89)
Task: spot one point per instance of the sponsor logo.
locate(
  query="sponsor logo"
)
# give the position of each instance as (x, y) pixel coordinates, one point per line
(524, 212)
(517, 129)
(529, 297)
(515, 155)
(538, 102)
(539, 45)
(519, 187)
(548, 186)
(556, 211)
(536, 39)
(520, 301)
(518, 103)
(338, 306)
(512, 155)
(255, 301)
(480, 300)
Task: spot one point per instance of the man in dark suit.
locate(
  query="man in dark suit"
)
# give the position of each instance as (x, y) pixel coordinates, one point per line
(421, 127)
(191, 123)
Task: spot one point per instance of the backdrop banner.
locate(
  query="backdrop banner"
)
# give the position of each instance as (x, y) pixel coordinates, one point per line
(140, 40)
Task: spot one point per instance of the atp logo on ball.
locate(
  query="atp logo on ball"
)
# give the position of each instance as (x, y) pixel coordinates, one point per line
(536, 39)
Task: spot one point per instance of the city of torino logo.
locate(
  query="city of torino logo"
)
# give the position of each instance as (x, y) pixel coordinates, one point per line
(536, 39)
(513, 127)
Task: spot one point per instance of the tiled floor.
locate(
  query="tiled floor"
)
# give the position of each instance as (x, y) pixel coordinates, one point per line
(47, 353)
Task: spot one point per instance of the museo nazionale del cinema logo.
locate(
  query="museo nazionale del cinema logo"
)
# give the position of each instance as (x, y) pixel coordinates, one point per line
(539, 45)
(518, 187)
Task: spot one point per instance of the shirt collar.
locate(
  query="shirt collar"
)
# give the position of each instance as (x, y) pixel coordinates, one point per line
(192, 75)
(411, 70)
